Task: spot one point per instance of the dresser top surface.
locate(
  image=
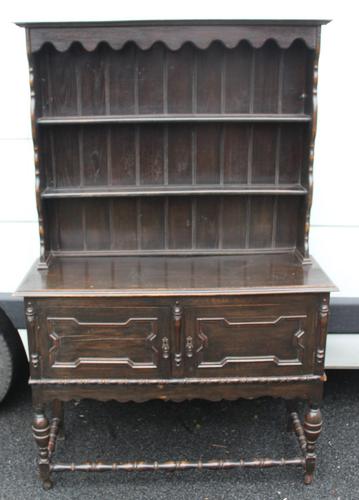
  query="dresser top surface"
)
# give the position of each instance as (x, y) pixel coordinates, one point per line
(174, 276)
(174, 22)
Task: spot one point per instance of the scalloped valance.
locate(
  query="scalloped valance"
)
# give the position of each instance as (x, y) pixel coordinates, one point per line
(173, 35)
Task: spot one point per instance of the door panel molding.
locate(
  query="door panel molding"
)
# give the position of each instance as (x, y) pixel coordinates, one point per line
(225, 326)
(61, 331)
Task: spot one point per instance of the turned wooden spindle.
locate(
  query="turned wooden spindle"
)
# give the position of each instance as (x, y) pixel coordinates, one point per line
(58, 413)
(312, 429)
(41, 433)
(291, 407)
(177, 316)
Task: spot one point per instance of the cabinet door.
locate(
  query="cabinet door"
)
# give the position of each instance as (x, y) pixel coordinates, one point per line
(107, 340)
(263, 336)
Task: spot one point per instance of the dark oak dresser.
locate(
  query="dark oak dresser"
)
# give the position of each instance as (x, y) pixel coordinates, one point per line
(174, 177)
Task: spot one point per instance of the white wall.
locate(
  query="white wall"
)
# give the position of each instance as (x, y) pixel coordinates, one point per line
(335, 216)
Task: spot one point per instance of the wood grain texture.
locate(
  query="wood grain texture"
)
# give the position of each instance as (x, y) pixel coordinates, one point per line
(174, 34)
(233, 154)
(312, 429)
(176, 118)
(42, 425)
(39, 176)
(156, 276)
(174, 165)
(217, 224)
(310, 155)
(131, 338)
(130, 82)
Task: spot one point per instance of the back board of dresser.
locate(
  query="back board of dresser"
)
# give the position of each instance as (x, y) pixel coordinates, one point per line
(183, 139)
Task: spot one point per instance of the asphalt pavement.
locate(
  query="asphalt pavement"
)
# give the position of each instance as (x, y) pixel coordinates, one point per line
(191, 430)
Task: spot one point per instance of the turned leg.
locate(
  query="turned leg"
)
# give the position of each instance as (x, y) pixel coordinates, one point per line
(312, 428)
(41, 433)
(291, 407)
(58, 413)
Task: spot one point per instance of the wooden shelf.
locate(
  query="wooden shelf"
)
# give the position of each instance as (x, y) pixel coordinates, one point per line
(106, 192)
(174, 118)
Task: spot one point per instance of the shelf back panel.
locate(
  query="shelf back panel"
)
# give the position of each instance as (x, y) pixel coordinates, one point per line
(137, 147)
(244, 79)
(191, 223)
(173, 154)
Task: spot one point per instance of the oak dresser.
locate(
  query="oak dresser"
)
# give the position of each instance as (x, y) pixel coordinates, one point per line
(174, 177)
